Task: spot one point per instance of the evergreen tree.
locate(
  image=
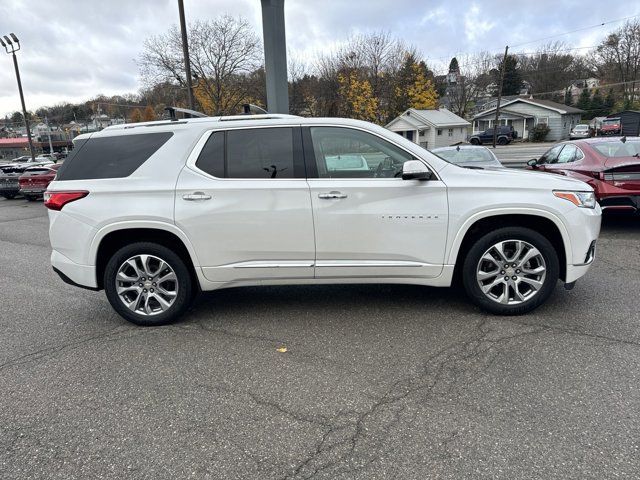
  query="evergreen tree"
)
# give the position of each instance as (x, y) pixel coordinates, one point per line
(609, 102)
(596, 107)
(453, 66)
(584, 101)
(568, 98)
(512, 76)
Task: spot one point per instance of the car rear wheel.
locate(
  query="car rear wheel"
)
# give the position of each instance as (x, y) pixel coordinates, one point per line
(31, 198)
(9, 196)
(510, 271)
(148, 284)
(502, 141)
(474, 141)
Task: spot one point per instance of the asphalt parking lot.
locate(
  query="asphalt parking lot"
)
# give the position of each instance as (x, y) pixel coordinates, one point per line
(377, 381)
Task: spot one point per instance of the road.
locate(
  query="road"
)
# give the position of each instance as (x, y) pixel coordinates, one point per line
(377, 382)
(518, 154)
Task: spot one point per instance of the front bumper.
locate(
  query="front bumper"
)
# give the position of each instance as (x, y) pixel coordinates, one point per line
(584, 229)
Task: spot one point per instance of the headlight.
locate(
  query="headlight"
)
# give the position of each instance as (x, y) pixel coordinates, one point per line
(579, 199)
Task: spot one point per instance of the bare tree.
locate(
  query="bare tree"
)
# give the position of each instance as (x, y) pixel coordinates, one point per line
(617, 58)
(225, 54)
(472, 83)
(550, 69)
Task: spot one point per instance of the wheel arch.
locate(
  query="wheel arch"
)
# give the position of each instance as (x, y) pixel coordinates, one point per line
(540, 221)
(110, 239)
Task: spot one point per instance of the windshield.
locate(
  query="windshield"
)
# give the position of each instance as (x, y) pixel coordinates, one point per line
(618, 149)
(581, 127)
(466, 155)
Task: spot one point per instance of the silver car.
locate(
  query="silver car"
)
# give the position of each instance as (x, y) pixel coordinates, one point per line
(581, 130)
(470, 156)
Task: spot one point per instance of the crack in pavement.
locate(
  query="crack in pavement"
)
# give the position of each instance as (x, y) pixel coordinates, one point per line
(52, 350)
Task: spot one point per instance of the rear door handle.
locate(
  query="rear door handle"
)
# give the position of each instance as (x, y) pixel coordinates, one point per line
(195, 196)
(331, 195)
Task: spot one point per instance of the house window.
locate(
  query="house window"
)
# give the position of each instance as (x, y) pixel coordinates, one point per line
(544, 120)
(451, 132)
(439, 131)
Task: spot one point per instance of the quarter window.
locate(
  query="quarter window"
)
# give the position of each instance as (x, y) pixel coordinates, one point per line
(349, 153)
(111, 157)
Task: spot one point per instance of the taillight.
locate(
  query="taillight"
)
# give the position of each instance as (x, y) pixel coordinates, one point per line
(57, 200)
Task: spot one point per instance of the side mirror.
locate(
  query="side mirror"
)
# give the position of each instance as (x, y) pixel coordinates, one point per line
(415, 170)
(533, 162)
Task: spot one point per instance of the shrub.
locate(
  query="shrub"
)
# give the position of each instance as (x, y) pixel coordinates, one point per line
(540, 132)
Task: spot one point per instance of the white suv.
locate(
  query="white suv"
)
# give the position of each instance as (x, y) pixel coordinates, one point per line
(155, 212)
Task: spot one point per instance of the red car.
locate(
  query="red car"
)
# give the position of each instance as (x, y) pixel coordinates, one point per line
(35, 180)
(610, 165)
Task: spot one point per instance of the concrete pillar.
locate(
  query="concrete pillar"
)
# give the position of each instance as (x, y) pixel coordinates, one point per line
(275, 56)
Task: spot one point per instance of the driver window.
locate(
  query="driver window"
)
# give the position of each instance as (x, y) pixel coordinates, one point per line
(348, 153)
(567, 155)
(552, 155)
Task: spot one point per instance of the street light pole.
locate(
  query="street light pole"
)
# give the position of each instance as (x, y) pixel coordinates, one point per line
(185, 53)
(12, 47)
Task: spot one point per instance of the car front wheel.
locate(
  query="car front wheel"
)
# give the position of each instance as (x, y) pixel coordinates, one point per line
(510, 271)
(148, 284)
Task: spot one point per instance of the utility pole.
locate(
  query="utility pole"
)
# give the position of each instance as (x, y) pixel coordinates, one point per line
(185, 53)
(12, 47)
(275, 56)
(495, 125)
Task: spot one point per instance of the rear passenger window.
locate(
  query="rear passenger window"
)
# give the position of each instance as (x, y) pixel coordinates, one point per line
(260, 153)
(111, 157)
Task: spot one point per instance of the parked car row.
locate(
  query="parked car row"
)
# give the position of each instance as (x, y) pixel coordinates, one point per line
(28, 178)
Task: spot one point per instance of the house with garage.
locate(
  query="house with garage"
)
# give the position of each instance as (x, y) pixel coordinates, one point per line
(430, 128)
(525, 113)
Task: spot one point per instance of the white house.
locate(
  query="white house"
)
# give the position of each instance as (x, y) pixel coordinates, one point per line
(430, 128)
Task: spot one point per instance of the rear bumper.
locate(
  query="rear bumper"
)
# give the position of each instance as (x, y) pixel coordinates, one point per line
(628, 203)
(73, 273)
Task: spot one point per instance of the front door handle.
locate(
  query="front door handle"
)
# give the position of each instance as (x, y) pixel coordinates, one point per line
(195, 196)
(333, 194)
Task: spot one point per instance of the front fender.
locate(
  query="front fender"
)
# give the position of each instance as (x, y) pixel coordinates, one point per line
(468, 223)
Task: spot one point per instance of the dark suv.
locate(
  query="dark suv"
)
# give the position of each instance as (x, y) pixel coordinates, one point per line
(506, 133)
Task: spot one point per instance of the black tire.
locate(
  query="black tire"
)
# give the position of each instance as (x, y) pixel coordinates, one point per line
(9, 196)
(502, 141)
(184, 284)
(475, 141)
(31, 198)
(472, 260)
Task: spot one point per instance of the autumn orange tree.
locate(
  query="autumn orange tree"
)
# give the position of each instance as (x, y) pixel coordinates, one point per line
(148, 114)
(414, 87)
(357, 99)
(136, 115)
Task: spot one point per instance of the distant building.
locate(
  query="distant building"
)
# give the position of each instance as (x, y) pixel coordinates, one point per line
(430, 128)
(525, 113)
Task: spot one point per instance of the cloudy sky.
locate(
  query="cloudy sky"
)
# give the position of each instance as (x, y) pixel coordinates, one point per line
(73, 50)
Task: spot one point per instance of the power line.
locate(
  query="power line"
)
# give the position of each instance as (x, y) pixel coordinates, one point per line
(574, 31)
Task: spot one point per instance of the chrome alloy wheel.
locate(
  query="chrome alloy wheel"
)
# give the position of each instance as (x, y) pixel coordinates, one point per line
(511, 272)
(147, 285)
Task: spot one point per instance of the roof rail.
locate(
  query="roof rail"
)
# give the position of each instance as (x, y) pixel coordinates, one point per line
(172, 112)
(268, 116)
